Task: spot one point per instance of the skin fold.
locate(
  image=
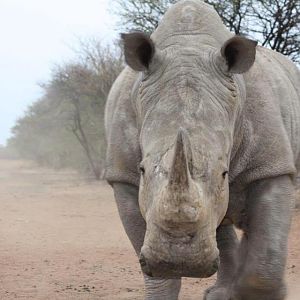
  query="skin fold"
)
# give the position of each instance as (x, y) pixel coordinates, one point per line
(203, 135)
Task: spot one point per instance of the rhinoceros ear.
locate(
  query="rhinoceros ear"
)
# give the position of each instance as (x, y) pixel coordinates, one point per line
(139, 50)
(239, 53)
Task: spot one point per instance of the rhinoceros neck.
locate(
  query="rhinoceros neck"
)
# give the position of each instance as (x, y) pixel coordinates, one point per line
(190, 23)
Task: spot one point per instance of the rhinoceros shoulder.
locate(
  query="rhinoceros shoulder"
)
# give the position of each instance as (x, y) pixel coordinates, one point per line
(271, 145)
(123, 153)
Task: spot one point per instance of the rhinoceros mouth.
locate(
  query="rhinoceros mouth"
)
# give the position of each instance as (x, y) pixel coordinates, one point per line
(179, 256)
(185, 267)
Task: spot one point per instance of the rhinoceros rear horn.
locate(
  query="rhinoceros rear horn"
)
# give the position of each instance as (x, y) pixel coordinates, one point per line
(180, 174)
(239, 53)
(139, 50)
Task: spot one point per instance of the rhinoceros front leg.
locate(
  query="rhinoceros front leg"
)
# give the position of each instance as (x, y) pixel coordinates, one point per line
(126, 196)
(264, 245)
(228, 246)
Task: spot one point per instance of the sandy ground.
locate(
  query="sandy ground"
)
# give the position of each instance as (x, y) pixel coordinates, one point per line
(61, 238)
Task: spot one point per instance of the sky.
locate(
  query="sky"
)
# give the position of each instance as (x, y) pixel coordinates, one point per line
(35, 35)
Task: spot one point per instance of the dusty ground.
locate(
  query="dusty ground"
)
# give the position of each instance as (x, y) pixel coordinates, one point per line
(61, 238)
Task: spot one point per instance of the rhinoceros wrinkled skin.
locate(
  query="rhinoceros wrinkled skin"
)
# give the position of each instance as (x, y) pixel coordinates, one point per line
(203, 134)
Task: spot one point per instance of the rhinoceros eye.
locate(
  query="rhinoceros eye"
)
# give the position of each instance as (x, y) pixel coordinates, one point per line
(224, 174)
(142, 170)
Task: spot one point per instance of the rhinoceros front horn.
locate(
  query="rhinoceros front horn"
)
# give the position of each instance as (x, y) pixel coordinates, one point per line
(180, 173)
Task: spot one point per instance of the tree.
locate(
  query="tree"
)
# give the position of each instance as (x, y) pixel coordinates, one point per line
(74, 88)
(142, 15)
(234, 14)
(277, 23)
(274, 23)
(65, 128)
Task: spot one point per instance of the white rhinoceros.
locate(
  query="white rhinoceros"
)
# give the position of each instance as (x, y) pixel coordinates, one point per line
(203, 133)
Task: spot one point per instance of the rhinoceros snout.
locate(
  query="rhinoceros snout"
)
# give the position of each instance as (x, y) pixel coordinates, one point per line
(176, 265)
(173, 269)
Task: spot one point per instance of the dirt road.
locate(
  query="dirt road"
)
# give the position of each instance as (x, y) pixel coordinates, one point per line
(61, 238)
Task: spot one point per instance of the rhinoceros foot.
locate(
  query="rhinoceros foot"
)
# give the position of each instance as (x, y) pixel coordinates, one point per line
(217, 292)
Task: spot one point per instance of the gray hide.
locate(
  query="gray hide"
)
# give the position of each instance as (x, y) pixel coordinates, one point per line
(190, 109)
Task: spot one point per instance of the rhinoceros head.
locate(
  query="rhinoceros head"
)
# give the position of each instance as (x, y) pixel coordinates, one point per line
(188, 103)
